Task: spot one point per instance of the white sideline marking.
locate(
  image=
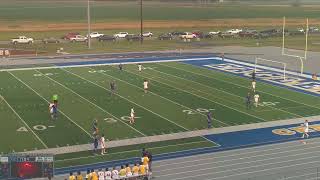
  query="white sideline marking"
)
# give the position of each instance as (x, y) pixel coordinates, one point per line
(49, 102)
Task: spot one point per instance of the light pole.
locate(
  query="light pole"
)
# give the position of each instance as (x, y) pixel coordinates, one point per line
(89, 25)
(141, 23)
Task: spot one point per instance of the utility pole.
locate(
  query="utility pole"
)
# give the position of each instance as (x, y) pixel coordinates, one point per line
(89, 25)
(141, 23)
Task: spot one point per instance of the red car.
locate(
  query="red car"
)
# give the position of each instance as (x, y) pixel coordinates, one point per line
(70, 35)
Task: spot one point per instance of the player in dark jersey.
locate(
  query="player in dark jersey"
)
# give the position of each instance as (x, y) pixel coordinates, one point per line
(248, 101)
(120, 66)
(95, 127)
(112, 87)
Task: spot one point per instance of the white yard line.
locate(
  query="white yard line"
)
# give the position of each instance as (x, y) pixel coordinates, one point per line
(244, 86)
(92, 103)
(160, 95)
(207, 99)
(24, 122)
(49, 102)
(280, 109)
(128, 100)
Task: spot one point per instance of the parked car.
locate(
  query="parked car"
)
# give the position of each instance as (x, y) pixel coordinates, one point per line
(234, 31)
(107, 38)
(166, 36)
(95, 35)
(214, 32)
(147, 34)
(78, 38)
(187, 35)
(313, 29)
(22, 40)
(177, 33)
(50, 40)
(270, 33)
(132, 37)
(300, 30)
(248, 33)
(70, 35)
(227, 35)
(121, 35)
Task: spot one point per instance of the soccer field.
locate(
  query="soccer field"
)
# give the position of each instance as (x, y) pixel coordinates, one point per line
(180, 97)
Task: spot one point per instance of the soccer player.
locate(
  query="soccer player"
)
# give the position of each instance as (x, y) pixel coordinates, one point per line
(107, 174)
(139, 67)
(142, 169)
(95, 127)
(55, 99)
(209, 119)
(103, 144)
(101, 174)
(95, 144)
(248, 100)
(120, 66)
(145, 85)
(115, 173)
(253, 85)
(135, 170)
(306, 129)
(256, 99)
(253, 75)
(128, 171)
(53, 110)
(132, 113)
(113, 87)
(79, 176)
(145, 160)
(88, 175)
(122, 172)
(94, 175)
(72, 177)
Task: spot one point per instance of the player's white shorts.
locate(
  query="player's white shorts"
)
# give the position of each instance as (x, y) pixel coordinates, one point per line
(132, 115)
(256, 100)
(135, 174)
(306, 130)
(253, 86)
(129, 174)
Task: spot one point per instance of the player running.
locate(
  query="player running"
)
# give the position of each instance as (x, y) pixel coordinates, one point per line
(132, 115)
(256, 99)
(306, 129)
(95, 128)
(55, 99)
(113, 87)
(248, 100)
(53, 110)
(120, 66)
(139, 67)
(253, 75)
(145, 85)
(253, 85)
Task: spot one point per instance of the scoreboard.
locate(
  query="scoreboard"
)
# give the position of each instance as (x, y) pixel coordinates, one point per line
(26, 166)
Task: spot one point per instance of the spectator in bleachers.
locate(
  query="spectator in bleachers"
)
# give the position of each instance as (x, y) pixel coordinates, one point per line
(115, 173)
(94, 175)
(128, 171)
(107, 174)
(88, 175)
(79, 176)
(72, 177)
(142, 169)
(135, 170)
(122, 172)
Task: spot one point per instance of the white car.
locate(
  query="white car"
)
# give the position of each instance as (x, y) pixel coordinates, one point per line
(79, 38)
(147, 34)
(121, 35)
(95, 35)
(214, 32)
(22, 40)
(301, 30)
(234, 31)
(187, 35)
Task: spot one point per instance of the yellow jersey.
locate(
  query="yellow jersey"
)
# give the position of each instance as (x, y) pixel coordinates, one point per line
(94, 176)
(128, 170)
(79, 177)
(135, 170)
(145, 160)
(123, 172)
(72, 177)
(142, 169)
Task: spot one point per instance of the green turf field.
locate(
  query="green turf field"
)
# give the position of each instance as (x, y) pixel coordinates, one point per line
(179, 98)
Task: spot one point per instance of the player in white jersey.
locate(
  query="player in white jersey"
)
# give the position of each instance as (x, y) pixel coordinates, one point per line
(145, 85)
(132, 115)
(140, 67)
(306, 129)
(253, 84)
(256, 100)
(115, 173)
(107, 174)
(100, 174)
(53, 110)
(103, 144)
